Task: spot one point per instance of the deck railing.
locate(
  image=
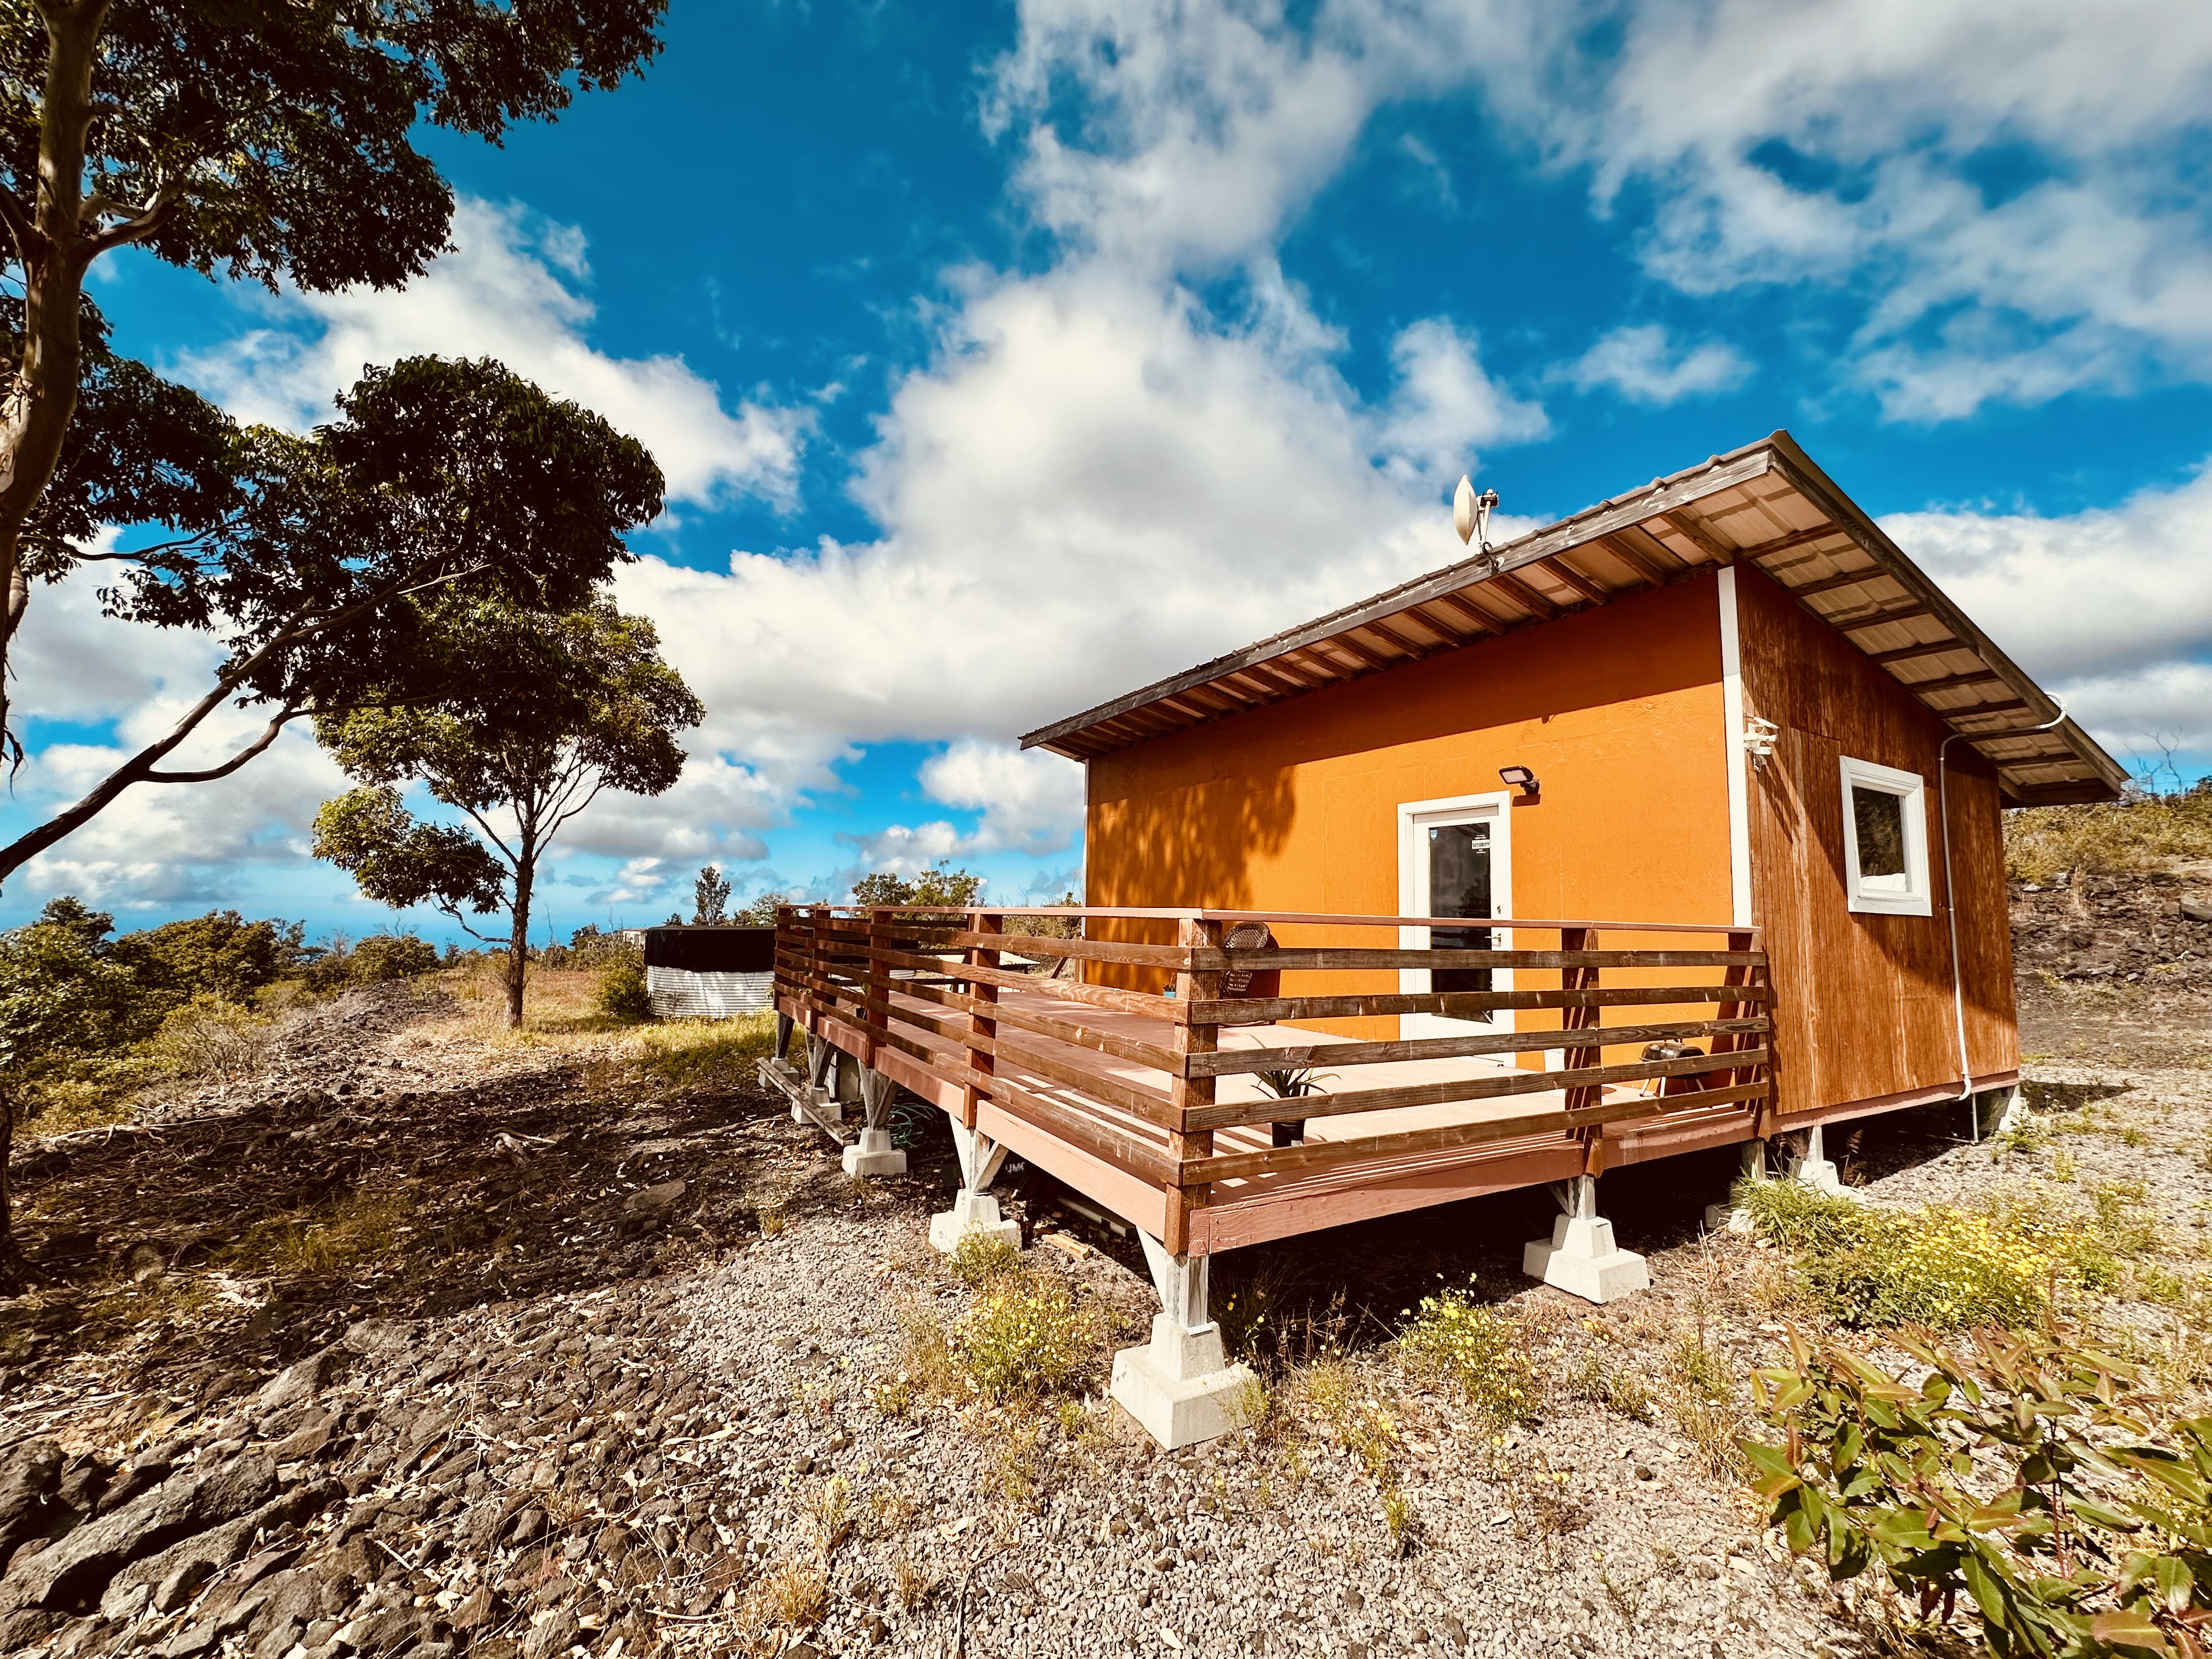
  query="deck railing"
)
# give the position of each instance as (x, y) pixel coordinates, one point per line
(901, 977)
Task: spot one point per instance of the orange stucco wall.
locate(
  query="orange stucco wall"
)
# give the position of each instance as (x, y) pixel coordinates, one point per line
(1295, 806)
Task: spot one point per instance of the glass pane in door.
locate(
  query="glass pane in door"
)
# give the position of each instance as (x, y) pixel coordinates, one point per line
(1459, 885)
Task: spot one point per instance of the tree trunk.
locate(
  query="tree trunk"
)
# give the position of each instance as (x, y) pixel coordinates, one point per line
(52, 247)
(11, 1260)
(517, 942)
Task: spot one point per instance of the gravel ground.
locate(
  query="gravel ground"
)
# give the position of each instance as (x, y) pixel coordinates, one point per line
(1588, 1533)
(616, 1381)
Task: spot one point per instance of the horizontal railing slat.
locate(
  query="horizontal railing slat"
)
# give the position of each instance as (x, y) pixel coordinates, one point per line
(1329, 959)
(1288, 1160)
(1268, 1011)
(1098, 996)
(1150, 1162)
(1228, 1062)
(1150, 1105)
(1083, 949)
(1068, 1030)
(1447, 1092)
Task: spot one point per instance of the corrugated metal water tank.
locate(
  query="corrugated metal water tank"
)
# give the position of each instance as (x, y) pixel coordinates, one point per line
(709, 972)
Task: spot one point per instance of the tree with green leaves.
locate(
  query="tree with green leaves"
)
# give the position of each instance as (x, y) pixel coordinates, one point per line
(710, 896)
(264, 140)
(442, 482)
(63, 995)
(558, 708)
(938, 884)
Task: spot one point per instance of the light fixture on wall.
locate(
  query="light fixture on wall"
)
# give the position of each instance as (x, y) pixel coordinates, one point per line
(1758, 736)
(1518, 777)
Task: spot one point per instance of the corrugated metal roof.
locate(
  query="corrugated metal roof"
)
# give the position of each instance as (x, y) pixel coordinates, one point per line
(1766, 504)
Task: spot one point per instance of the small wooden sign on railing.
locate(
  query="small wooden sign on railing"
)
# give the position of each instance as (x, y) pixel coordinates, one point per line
(926, 993)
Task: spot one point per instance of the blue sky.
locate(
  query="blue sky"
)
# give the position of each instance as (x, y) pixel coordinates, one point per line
(1004, 357)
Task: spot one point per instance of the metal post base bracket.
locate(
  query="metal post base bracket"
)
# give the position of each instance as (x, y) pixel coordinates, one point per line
(874, 1155)
(1814, 1168)
(974, 1210)
(1180, 1386)
(1581, 1257)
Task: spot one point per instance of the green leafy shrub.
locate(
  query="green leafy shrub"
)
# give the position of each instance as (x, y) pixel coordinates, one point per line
(980, 1257)
(1477, 1350)
(391, 956)
(622, 993)
(2025, 1476)
(1024, 1337)
(1934, 1265)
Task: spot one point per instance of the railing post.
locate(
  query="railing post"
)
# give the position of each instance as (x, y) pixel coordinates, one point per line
(810, 947)
(1762, 1110)
(876, 987)
(980, 1064)
(1187, 1037)
(1583, 1097)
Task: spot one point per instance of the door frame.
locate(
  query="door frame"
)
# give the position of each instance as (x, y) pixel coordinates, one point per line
(1414, 815)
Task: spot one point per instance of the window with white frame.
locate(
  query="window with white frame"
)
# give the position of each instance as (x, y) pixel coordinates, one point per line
(1886, 839)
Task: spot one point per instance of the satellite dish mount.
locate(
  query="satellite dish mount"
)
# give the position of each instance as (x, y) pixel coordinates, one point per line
(1471, 515)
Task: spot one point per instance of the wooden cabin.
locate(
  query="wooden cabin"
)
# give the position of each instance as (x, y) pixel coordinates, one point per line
(1673, 825)
(1739, 702)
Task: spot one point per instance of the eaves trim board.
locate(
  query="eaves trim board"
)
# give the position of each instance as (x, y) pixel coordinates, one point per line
(1797, 527)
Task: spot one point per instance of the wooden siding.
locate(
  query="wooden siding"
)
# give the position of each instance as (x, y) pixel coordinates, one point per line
(1864, 1006)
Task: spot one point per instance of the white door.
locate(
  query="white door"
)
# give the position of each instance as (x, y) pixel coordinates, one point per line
(1453, 860)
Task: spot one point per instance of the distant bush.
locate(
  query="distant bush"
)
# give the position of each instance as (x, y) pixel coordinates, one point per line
(220, 954)
(2144, 833)
(391, 956)
(210, 1037)
(621, 993)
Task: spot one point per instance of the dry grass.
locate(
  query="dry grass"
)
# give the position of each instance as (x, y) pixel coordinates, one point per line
(2146, 834)
(560, 1012)
(795, 1593)
(352, 1233)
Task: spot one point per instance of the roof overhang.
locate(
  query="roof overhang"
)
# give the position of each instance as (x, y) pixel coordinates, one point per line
(1766, 504)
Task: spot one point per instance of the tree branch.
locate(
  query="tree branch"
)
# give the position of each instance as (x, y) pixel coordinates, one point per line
(490, 835)
(147, 220)
(210, 773)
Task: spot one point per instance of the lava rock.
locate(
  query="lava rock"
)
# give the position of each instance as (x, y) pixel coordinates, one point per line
(75, 1569)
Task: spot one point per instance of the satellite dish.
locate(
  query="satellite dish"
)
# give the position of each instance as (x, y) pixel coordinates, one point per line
(1463, 518)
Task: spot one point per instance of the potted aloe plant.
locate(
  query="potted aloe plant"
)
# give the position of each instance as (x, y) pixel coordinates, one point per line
(1292, 1083)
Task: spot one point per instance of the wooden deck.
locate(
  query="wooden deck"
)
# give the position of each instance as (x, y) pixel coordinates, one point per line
(1150, 1105)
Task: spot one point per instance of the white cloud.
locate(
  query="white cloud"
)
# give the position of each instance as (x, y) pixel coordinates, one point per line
(1447, 407)
(2010, 191)
(509, 289)
(1642, 365)
(158, 844)
(2110, 608)
(1094, 484)
(1031, 802)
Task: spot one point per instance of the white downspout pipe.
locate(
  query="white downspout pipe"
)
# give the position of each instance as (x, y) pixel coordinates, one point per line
(1951, 893)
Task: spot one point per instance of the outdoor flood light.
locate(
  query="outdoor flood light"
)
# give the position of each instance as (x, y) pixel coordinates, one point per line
(1519, 777)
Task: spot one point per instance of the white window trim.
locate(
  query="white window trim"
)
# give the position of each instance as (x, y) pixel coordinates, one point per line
(1918, 897)
(1413, 817)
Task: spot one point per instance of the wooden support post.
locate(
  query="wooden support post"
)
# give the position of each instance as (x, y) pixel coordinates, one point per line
(979, 1063)
(1579, 1059)
(1186, 1092)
